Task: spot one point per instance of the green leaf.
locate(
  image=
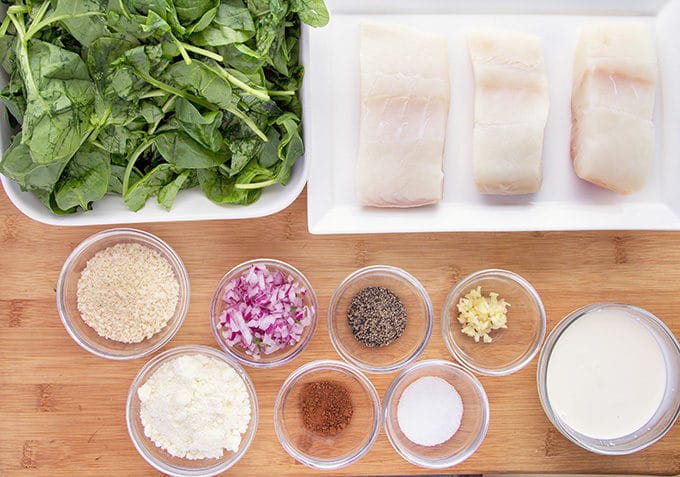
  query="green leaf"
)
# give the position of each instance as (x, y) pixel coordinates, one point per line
(232, 24)
(57, 115)
(221, 189)
(202, 127)
(184, 153)
(198, 79)
(313, 12)
(18, 165)
(73, 14)
(189, 11)
(168, 193)
(85, 179)
(148, 186)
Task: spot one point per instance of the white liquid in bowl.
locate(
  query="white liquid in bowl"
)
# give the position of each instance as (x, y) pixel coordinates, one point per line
(606, 375)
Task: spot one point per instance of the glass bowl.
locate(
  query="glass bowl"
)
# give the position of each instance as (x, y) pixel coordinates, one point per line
(403, 350)
(67, 300)
(473, 425)
(511, 348)
(647, 390)
(283, 355)
(321, 450)
(159, 458)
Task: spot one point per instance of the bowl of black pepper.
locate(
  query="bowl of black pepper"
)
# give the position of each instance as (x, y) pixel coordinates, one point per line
(380, 318)
(327, 414)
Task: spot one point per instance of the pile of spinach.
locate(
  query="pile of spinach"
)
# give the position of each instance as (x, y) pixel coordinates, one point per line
(145, 98)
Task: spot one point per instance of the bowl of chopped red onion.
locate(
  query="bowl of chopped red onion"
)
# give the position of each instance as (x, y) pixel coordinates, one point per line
(263, 313)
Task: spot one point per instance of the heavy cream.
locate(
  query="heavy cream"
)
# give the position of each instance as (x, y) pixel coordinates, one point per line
(606, 375)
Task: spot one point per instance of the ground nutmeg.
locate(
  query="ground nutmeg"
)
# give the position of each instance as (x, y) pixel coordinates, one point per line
(326, 407)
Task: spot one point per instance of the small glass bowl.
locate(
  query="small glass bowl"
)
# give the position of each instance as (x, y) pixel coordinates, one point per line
(403, 350)
(67, 300)
(669, 408)
(279, 357)
(350, 444)
(161, 459)
(473, 426)
(513, 347)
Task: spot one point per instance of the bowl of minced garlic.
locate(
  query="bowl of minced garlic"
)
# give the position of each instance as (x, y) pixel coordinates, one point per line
(122, 293)
(493, 322)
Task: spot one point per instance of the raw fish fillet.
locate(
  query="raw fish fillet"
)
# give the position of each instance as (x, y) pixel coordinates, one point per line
(511, 109)
(612, 137)
(404, 110)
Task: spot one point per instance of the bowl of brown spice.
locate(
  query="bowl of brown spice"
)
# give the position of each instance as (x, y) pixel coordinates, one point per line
(327, 414)
(122, 293)
(380, 318)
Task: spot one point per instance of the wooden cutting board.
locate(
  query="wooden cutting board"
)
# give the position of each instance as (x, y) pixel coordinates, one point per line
(62, 410)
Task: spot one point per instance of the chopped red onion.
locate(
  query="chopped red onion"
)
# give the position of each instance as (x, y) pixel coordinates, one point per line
(264, 311)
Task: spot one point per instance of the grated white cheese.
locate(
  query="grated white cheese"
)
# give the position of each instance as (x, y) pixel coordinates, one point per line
(127, 292)
(195, 407)
(480, 315)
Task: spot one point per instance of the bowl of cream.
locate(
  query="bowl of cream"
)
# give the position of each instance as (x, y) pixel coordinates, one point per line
(609, 378)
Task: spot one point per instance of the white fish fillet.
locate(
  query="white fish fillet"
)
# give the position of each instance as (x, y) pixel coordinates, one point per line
(612, 138)
(511, 110)
(404, 111)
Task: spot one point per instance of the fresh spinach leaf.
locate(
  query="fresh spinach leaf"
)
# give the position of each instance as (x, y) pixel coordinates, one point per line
(313, 12)
(202, 127)
(168, 193)
(222, 189)
(148, 186)
(85, 179)
(179, 149)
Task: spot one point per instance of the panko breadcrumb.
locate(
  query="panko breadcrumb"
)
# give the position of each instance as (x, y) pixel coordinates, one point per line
(127, 292)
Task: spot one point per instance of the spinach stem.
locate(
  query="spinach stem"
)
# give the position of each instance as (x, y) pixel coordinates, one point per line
(201, 51)
(153, 94)
(131, 163)
(258, 93)
(22, 54)
(171, 89)
(282, 93)
(126, 14)
(37, 26)
(255, 185)
(182, 50)
(166, 107)
(249, 122)
(5, 25)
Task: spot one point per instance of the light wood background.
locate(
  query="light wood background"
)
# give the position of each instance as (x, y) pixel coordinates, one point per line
(62, 409)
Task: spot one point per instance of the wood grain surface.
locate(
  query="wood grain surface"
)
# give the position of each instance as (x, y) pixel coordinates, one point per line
(62, 409)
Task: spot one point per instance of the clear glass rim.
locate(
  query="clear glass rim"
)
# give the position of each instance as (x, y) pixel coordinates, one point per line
(176, 263)
(298, 275)
(541, 378)
(173, 470)
(455, 350)
(454, 459)
(331, 317)
(292, 379)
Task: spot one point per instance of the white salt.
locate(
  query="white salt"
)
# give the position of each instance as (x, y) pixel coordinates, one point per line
(429, 411)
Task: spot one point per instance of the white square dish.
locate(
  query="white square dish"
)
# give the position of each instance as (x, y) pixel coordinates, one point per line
(189, 204)
(565, 202)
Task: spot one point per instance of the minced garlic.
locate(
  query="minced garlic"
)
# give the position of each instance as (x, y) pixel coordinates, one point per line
(481, 314)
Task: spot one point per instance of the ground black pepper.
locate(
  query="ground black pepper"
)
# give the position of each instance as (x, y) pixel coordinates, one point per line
(326, 407)
(376, 316)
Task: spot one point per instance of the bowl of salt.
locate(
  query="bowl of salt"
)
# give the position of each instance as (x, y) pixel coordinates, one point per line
(436, 414)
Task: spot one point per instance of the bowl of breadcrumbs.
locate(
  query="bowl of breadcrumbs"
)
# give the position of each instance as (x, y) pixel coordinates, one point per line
(122, 293)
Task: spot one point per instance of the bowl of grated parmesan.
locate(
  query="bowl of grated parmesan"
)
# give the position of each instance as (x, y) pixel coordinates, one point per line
(493, 322)
(192, 411)
(122, 293)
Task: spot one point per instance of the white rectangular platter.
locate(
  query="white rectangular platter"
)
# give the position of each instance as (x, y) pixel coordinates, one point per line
(565, 202)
